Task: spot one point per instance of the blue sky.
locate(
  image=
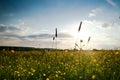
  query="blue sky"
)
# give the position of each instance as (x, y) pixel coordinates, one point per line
(33, 22)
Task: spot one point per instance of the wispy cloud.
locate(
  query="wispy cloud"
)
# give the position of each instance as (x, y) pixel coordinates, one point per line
(64, 35)
(110, 25)
(13, 34)
(5, 28)
(39, 36)
(94, 12)
(106, 25)
(111, 2)
(2, 28)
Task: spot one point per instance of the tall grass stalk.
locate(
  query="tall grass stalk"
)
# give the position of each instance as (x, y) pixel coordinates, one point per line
(53, 43)
(88, 41)
(56, 35)
(79, 28)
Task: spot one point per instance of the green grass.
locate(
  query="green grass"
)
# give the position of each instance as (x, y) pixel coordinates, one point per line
(60, 65)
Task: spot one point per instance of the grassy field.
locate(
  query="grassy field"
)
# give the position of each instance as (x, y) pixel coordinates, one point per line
(59, 65)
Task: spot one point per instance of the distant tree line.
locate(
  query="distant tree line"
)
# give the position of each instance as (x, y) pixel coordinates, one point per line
(16, 48)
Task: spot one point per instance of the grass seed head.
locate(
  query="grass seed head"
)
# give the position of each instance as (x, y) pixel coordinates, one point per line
(56, 32)
(89, 39)
(81, 40)
(80, 26)
(53, 38)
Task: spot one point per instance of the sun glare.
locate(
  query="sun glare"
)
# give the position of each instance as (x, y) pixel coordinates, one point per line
(82, 34)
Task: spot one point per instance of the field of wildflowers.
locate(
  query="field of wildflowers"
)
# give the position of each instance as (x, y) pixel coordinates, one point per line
(59, 65)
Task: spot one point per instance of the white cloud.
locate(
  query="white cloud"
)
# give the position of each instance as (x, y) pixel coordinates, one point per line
(94, 12)
(111, 2)
(17, 35)
(101, 36)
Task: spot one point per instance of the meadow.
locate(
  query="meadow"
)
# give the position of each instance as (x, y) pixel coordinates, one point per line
(60, 65)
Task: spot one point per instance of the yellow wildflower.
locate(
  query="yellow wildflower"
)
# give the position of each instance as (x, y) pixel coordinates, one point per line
(49, 66)
(33, 70)
(97, 64)
(117, 53)
(56, 75)
(66, 51)
(93, 76)
(18, 74)
(32, 74)
(44, 74)
(12, 51)
(47, 79)
(64, 73)
(94, 60)
(29, 72)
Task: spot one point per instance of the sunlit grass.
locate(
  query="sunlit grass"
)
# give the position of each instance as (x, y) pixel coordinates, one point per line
(67, 65)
